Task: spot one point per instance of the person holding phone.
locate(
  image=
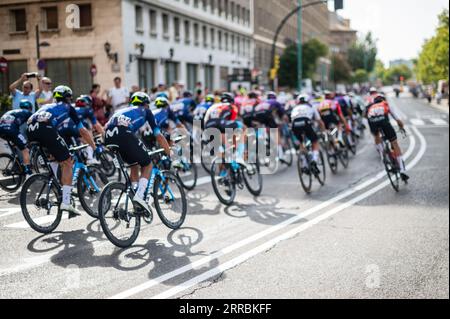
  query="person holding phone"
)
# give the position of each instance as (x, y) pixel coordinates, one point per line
(27, 92)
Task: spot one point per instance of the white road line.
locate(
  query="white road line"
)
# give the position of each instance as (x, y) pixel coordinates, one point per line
(154, 282)
(40, 221)
(264, 247)
(10, 211)
(438, 122)
(417, 122)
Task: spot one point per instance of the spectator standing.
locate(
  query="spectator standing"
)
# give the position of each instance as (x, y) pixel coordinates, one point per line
(118, 96)
(98, 105)
(45, 92)
(173, 92)
(27, 92)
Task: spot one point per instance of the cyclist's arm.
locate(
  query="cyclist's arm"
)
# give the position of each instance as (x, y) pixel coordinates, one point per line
(150, 118)
(84, 133)
(342, 117)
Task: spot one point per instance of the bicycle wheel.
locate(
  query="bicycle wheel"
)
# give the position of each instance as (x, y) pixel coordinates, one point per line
(393, 173)
(89, 187)
(106, 163)
(304, 174)
(253, 179)
(40, 200)
(117, 215)
(223, 183)
(343, 157)
(38, 163)
(170, 200)
(188, 176)
(350, 147)
(323, 170)
(11, 173)
(288, 156)
(332, 159)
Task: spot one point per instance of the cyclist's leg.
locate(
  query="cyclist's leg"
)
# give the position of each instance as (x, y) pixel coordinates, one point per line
(391, 135)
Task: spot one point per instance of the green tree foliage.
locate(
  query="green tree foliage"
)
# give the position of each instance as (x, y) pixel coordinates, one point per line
(363, 53)
(379, 70)
(342, 71)
(433, 61)
(311, 52)
(392, 75)
(360, 76)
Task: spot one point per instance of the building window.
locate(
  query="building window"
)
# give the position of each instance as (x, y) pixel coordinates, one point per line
(187, 32)
(192, 76)
(50, 18)
(165, 19)
(139, 19)
(153, 25)
(18, 20)
(171, 72)
(176, 28)
(146, 74)
(73, 72)
(227, 45)
(219, 36)
(15, 70)
(205, 36)
(196, 34)
(213, 38)
(224, 78)
(209, 78)
(85, 15)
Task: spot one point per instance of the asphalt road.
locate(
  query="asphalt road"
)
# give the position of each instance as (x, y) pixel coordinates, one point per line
(353, 238)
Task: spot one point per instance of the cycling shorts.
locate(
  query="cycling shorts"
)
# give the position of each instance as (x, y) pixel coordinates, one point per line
(15, 137)
(266, 119)
(131, 148)
(303, 127)
(384, 127)
(222, 125)
(47, 136)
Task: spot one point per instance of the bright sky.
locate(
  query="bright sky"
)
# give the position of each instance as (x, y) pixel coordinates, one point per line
(401, 26)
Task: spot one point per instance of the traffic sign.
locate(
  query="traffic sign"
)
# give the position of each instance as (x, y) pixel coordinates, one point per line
(3, 65)
(41, 64)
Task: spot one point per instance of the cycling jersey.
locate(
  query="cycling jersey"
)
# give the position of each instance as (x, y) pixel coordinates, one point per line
(10, 124)
(68, 128)
(183, 109)
(288, 107)
(133, 118)
(264, 112)
(55, 114)
(86, 113)
(222, 116)
(344, 104)
(201, 109)
(329, 111)
(378, 116)
(302, 116)
(164, 116)
(305, 111)
(247, 110)
(13, 120)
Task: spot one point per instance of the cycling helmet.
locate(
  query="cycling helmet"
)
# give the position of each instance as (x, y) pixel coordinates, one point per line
(303, 99)
(84, 101)
(140, 99)
(328, 94)
(187, 94)
(271, 96)
(227, 98)
(373, 90)
(161, 102)
(379, 99)
(210, 98)
(162, 94)
(62, 93)
(26, 105)
(252, 95)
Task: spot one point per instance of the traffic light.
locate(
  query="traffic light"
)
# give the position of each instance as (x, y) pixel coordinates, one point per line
(277, 62)
(273, 74)
(338, 5)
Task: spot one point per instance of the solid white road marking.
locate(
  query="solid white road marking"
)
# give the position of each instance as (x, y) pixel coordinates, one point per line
(154, 282)
(264, 247)
(40, 221)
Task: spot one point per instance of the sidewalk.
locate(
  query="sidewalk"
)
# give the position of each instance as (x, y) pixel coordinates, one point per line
(442, 107)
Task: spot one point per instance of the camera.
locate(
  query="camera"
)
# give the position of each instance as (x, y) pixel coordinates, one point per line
(32, 75)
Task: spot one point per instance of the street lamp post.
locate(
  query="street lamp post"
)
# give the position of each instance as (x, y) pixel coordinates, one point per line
(300, 47)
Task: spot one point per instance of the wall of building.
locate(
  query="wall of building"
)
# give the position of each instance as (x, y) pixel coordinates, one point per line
(67, 43)
(158, 45)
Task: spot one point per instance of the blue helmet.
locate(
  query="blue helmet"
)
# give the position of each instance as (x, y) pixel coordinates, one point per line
(162, 94)
(26, 105)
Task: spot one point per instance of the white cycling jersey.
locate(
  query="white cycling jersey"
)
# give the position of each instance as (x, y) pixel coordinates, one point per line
(305, 111)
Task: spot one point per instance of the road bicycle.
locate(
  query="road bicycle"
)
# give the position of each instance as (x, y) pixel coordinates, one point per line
(41, 195)
(307, 169)
(185, 169)
(335, 151)
(390, 162)
(121, 219)
(12, 169)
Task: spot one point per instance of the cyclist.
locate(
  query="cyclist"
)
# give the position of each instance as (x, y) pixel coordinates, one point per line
(10, 124)
(303, 117)
(247, 111)
(184, 107)
(202, 108)
(121, 131)
(331, 113)
(347, 110)
(42, 128)
(378, 115)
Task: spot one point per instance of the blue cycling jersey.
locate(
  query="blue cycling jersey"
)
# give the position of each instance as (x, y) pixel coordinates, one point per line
(163, 116)
(69, 128)
(12, 121)
(55, 114)
(134, 118)
(86, 113)
(201, 109)
(182, 109)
